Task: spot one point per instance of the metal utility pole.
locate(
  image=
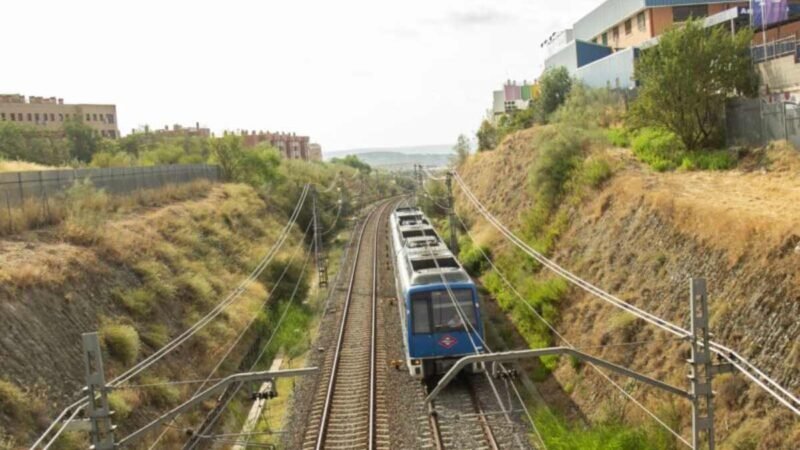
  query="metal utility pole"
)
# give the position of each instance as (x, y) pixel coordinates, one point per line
(701, 370)
(451, 214)
(319, 256)
(102, 431)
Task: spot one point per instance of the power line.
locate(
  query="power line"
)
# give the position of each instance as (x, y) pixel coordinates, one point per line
(142, 365)
(552, 328)
(566, 341)
(748, 369)
(243, 331)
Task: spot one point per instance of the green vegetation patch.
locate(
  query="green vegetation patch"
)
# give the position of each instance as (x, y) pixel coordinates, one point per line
(121, 341)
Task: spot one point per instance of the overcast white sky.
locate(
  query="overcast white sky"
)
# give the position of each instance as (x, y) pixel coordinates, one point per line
(349, 73)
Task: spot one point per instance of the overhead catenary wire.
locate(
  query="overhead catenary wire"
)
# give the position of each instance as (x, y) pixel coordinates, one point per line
(567, 342)
(553, 329)
(757, 376)
(467, 326)
(167, 348)
(246, 328)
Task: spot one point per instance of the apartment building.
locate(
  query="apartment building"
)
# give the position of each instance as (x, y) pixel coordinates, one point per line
(314, 152)
(49, 113)
(512, 97)
(181, 131)
(290, 145)
(605, 43)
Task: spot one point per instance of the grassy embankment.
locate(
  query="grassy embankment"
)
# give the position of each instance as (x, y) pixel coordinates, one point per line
(175, 262)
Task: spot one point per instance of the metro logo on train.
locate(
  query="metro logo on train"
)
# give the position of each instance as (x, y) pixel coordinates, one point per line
(447, 341)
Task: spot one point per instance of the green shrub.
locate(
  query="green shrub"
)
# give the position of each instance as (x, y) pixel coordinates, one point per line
(119, 404)
(472, 256)
(708, 160)
(559, 434)
(12, 400)
(157, 278)
(138, 301)
(554, 166)
(122, 342)
(660, 149)
(595, 171)
(618, 137)
(197, 286)
(160, 394)
(87, 211)
(155, 335)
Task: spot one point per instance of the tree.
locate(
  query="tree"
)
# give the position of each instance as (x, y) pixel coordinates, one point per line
(554, 86)
(354, 162)
(487, 136)
(81, 139)
(687, 78)
(256, 167)
(461, 150)
(228, 153)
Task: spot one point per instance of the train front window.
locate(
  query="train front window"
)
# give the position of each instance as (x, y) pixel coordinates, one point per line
(420, 313)
(435, 311)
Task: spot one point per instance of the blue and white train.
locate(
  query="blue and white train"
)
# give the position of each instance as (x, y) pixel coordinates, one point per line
(436, 297)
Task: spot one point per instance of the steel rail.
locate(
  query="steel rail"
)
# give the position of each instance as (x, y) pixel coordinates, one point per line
(326, 409)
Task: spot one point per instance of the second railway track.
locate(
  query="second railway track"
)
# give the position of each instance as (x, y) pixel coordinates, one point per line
(348, 411)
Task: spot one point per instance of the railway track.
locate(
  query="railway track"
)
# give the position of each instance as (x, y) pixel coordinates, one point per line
(348, 409)
(458, 420)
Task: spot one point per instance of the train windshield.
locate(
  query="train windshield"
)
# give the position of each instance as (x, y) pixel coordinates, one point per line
(436, 311)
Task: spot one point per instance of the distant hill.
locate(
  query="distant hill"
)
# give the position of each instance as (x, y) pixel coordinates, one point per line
(399, 158)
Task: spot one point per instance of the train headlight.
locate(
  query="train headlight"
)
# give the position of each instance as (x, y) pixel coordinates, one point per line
(415, 362)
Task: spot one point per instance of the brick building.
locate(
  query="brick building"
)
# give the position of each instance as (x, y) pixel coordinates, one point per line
(290, 145)
(49, 113)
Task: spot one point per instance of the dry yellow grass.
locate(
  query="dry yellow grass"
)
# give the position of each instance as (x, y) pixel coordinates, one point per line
(21, 166)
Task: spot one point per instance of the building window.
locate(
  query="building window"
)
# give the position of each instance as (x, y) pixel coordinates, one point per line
(615, 35)
(94, 117)
(36, 116)
(61, 117)
(683, 13)
(640, 21)
(604, 38)
(13, 117)
(628, 26)
(52, 117)
(110, 118)
(3, 116)
(30, 117)
(88, 117)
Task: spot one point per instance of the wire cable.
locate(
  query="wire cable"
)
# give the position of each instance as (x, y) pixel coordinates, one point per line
(142, 365)
(748, 369)
(565, 340)
(244, 330)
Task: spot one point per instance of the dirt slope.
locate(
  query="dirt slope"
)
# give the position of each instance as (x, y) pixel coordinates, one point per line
(642, 236)
(157, 271)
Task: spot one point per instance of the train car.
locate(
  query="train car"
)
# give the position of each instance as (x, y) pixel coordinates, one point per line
(436, 296)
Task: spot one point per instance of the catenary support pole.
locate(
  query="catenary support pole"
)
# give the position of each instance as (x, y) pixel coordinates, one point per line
(451, 212)
(102, 431)
(701, 370)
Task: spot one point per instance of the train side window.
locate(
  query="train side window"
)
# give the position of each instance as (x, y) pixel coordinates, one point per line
(420, 314)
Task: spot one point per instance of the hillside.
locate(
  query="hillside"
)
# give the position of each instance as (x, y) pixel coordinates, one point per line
(641, 235)
(400, 158)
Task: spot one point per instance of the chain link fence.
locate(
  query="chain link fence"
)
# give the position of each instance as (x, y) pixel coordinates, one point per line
(753, 122)
(37, 192)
